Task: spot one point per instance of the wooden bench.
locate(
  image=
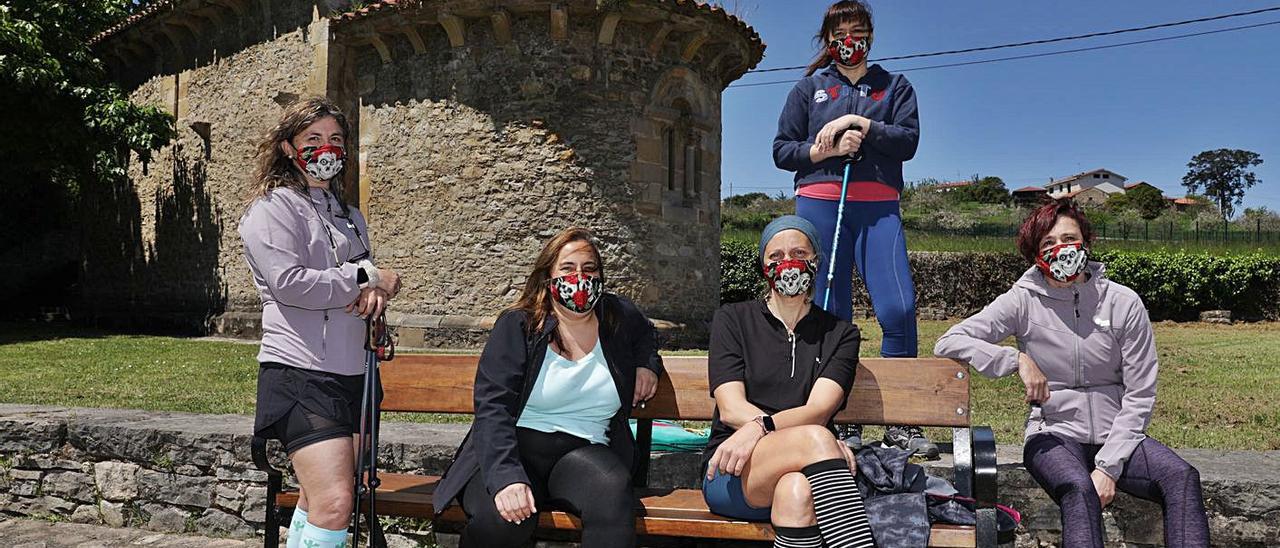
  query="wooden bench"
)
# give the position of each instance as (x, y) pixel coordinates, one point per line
(916, 391)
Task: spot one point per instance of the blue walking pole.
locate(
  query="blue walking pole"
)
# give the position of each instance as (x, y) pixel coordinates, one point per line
(835, 239)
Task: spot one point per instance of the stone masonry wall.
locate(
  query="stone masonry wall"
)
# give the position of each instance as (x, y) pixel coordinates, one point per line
(475, 155)
(480, 130)
(183, 472)
(165, 243)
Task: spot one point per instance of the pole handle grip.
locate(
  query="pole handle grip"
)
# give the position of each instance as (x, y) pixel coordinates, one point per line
(856, 156)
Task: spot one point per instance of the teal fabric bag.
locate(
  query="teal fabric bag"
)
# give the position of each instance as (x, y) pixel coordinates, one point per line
(670, 437)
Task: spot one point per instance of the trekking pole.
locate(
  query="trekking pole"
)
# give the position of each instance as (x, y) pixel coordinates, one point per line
(835, 239)
(378, 347)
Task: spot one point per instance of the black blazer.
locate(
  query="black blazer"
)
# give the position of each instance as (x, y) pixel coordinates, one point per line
(509, 367)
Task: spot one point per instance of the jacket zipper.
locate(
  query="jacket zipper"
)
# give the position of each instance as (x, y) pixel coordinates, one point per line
(1088, 395)
(791, 336)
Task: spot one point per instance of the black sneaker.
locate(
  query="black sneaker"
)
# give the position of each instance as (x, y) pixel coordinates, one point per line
(908, 438)
(851, 435)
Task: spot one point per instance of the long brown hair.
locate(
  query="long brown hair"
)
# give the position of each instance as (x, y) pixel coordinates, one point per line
(844, 11)
(275, 169)
(535, 299)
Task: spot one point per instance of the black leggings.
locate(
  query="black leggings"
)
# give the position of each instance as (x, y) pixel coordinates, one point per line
(567, 473)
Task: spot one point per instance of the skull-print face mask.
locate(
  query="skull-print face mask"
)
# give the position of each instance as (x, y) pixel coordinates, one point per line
(849, 51)
(322, 162)
(790, 277)
(1063, 262)
(577, 292)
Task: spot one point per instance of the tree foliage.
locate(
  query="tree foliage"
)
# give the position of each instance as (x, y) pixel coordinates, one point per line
(65, 121)
(984, 190)
(1146, 200)
(1223, 175)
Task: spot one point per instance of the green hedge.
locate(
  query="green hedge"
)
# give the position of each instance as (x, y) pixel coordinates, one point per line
(1176, 286)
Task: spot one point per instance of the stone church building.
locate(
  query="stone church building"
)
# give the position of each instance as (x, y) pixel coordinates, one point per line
(480, 128)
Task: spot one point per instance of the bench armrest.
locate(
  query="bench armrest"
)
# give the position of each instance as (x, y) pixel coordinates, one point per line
(259, 450)
(275, 480)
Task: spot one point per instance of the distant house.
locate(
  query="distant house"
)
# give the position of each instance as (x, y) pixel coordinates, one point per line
(1094, 195)
(1058, 188)
(948, 187)
(1129, 187)
(1029, 196)
(1183, 204)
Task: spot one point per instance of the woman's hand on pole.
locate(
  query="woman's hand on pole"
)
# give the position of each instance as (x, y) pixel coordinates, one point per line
(389, 282)
(849, 143)
(371, 302)
(826, 138)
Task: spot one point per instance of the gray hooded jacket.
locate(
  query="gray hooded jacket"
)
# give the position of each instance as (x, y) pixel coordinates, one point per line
(305, 280)
(1094, 344)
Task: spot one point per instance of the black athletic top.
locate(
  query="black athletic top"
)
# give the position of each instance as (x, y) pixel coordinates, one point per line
(779, 368)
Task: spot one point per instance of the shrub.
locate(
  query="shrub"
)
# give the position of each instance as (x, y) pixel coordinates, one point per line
(1175, 286)
(739, 280)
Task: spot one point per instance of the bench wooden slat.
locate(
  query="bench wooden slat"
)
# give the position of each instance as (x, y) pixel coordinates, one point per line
(919, 391)
(665, 512)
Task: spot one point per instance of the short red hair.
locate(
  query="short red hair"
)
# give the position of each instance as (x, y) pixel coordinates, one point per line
(1041, 221)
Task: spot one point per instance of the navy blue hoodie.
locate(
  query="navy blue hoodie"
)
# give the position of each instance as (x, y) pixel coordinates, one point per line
(886, 99)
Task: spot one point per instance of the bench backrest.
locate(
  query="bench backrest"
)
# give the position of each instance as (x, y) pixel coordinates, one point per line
(887, 391)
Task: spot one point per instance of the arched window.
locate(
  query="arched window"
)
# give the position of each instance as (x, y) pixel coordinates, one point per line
(670, 149)
(682, 145)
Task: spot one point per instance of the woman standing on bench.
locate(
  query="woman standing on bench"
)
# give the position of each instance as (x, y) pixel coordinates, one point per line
(844, 108)
(309, 254)
(555, 386)
(1087, 355)
(779, 369)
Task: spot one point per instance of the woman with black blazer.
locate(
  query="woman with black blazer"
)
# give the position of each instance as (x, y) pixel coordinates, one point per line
(557, 380)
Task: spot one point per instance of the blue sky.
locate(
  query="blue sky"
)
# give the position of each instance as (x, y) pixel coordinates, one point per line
(1142, 111)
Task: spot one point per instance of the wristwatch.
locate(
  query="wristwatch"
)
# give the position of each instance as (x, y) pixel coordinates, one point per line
(367, 275)
(765, 422)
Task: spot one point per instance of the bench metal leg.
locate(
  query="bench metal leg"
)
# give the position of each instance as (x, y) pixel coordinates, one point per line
(962, 457)
(984, 485)
(644, 446)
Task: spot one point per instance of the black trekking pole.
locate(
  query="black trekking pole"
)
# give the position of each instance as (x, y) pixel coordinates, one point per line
(378, 348)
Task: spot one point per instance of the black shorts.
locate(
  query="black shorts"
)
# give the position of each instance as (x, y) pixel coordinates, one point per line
(300, 407)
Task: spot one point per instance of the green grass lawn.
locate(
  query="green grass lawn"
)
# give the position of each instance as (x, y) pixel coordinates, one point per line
(1217, 383)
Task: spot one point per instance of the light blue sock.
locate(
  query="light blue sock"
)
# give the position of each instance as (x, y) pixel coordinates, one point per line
(295, 527)
(315, 537)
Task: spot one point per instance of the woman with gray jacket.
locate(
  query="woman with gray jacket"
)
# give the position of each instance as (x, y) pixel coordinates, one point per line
(309, 254)
(1086, 353)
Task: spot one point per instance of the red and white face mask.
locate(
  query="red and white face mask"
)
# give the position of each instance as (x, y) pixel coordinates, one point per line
(791, 277)
(322, 162)
(849, 51)
(577, 292)
(1063, 262)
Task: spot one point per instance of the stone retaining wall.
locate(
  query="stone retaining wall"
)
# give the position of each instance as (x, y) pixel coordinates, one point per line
(180, 472)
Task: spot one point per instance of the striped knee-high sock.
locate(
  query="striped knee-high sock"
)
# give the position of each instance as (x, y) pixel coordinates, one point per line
(838, 505)
(797, 537)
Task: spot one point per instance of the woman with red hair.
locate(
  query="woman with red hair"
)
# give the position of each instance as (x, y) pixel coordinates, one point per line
(1086, 353)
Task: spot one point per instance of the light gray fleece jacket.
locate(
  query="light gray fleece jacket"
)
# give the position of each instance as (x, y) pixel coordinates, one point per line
(305, 281)
(1092, 341)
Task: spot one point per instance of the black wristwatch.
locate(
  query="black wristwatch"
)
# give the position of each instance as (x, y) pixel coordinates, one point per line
(766, 423)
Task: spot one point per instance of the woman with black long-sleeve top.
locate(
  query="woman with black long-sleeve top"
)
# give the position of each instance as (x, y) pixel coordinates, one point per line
(557, 380)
